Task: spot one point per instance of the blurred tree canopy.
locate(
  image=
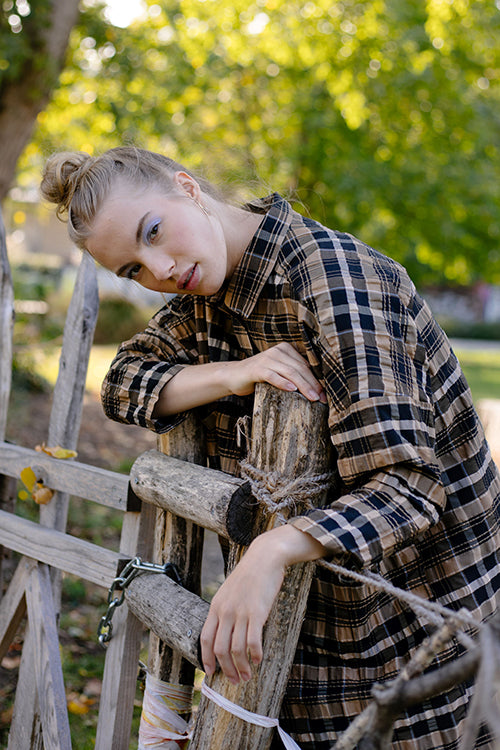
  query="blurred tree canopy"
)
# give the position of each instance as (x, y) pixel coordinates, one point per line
(378, 117)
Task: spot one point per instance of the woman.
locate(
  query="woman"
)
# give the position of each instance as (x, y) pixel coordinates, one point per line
(265, 295)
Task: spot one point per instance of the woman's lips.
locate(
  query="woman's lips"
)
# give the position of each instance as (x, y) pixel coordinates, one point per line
(190, 279)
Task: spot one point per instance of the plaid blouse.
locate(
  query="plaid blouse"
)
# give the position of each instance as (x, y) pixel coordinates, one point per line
(419, 493)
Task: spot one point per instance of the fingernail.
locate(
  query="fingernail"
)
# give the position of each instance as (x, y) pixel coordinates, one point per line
(312, 395)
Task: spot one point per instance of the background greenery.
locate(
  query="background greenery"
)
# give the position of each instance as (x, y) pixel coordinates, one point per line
(380, 117)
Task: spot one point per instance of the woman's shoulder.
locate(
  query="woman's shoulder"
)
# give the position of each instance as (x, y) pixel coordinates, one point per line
(314, 255)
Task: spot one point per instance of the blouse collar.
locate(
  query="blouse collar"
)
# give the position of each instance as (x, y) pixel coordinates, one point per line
(241, 292)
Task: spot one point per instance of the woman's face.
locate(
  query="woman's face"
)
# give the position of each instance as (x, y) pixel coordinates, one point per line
(166, 242)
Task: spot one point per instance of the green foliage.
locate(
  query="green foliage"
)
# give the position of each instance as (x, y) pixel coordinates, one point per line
(118, 320)
(22, 43)
(377, 116)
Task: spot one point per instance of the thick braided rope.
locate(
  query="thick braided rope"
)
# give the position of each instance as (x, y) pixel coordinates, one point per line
(276, 493)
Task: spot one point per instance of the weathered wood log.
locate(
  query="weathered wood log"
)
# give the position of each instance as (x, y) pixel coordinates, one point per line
(81, 480)
(174, 614)
(210, 498)
(290, 436)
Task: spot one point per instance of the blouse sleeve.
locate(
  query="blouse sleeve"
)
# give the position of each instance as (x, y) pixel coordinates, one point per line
(145, 363)
(370, 331)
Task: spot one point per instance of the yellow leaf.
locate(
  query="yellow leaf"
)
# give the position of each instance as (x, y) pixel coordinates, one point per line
(42, 495)
(56, 451)
(28, 478)
(75, 707)
(23, 495)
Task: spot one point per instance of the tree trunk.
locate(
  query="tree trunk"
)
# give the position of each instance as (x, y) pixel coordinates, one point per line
(23, 98)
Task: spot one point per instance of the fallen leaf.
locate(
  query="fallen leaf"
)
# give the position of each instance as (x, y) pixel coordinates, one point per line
(42, 495)
(56, 452)
(28, 478)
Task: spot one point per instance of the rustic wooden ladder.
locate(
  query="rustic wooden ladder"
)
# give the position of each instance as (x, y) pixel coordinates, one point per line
(180, 496)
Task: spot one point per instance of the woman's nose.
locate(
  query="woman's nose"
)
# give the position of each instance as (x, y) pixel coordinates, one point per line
(161, 266)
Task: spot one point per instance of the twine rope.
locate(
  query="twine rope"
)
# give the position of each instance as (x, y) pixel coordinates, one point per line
(276, 493)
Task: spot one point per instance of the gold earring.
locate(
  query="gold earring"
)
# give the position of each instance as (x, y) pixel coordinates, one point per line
(202, 207)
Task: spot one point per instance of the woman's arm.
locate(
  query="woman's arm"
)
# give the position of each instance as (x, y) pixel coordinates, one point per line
(281, 366)
(233, 630)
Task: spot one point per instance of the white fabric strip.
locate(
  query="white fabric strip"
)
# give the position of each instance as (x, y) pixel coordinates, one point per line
(160, 720)
(242, 713)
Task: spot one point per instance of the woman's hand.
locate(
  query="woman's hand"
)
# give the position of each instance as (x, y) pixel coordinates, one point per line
(232, 633)
(281, 366)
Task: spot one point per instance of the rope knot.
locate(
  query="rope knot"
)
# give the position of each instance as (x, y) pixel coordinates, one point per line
(276, 493)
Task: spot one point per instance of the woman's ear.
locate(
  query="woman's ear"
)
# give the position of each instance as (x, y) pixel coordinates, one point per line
(187, 185)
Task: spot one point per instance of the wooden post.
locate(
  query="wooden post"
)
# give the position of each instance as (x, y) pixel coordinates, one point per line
(66, 411)
(6, 329)
(63, 429)
(122, 656)
(7, 487)
(180, 542)
(289, 436)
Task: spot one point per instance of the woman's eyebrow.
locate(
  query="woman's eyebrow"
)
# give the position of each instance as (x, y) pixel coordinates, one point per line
(140, 227)
(138, 236)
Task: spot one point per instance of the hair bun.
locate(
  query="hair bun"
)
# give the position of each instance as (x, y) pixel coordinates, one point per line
(61, 177)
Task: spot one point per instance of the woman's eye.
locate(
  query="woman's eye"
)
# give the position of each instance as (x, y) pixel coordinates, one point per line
(152, 232)
(133, 271)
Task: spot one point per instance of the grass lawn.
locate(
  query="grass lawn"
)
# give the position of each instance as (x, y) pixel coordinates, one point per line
(45, 361)
(482, 369)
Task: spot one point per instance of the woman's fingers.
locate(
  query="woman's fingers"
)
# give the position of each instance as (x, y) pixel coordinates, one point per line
(232, 634)
(281, 366)
(207, 639)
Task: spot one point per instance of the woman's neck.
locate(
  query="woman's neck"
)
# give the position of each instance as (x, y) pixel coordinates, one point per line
(239, 227)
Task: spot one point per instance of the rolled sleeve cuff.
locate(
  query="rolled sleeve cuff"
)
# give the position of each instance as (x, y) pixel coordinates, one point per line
(131, 397)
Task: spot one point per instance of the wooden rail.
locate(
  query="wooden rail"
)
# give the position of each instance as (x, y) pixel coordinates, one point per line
(81, 480)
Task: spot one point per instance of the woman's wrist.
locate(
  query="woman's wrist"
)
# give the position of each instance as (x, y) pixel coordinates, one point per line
(286, 545)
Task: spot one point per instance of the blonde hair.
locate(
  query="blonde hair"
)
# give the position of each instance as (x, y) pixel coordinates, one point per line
(79, 183)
